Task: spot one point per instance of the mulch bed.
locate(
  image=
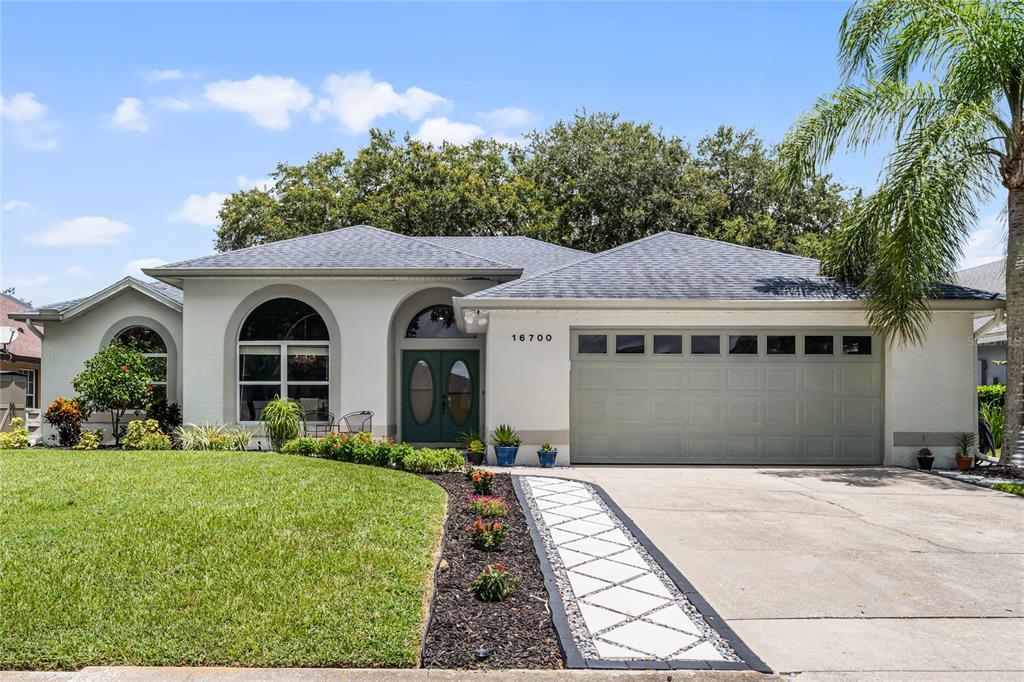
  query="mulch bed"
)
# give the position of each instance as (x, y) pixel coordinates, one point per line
(516, 632)
(998, 471)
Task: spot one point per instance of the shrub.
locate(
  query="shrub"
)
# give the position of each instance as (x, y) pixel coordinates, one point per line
(430, 461)
(994, 415)
(494, 583)
(212, 437)
(991, 394)
(145, 435)
(399, 453)
(67, 416)
(281, 418)
(115, 380)
(486, 505)
(168, 415)
(483, 482)
(305, 446)
(16, 438)
(89, 440)
(337, 446)
(487, 535)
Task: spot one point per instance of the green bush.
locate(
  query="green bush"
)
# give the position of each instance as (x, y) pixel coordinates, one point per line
(991, 394)
(368, 450)
(487, 535)
(67, 416)
(145, 435)
(430, 461)
(994, 415)
(168, 415)
(305, 446)
(16, 438)
(89, 440)
(281, 419)
(115, 380)
(336, 446)
(399, 452)
(212, 437)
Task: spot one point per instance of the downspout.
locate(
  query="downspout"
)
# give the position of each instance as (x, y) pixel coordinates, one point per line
(996, 320)
(34, 329)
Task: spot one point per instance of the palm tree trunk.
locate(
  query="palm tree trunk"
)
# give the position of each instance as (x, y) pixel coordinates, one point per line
(1013, 438)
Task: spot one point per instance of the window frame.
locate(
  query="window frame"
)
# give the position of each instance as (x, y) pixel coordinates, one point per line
(30, 389)
(283, 383)
(165, 355)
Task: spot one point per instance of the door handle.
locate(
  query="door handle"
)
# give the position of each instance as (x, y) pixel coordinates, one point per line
(444, 402)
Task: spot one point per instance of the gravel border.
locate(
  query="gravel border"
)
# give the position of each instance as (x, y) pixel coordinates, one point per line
(972, 479)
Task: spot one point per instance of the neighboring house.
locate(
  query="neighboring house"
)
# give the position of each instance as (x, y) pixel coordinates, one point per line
(992, 339)
(669, 349)
(19, 368)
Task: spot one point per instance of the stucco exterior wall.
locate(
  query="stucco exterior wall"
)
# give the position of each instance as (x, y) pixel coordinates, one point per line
(68, 344)
(528, 381)
(362, 354)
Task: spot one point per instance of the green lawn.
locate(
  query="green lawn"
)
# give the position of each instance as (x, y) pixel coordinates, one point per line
(189, 558)
(1015, 488)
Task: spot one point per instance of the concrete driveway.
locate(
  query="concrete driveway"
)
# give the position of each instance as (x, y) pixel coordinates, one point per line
(843, 573)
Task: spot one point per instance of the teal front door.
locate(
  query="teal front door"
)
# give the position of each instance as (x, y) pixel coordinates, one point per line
(440, 392)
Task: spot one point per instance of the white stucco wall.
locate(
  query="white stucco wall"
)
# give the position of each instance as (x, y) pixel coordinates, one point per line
(361, 358)
(928, 389)
(68, 344)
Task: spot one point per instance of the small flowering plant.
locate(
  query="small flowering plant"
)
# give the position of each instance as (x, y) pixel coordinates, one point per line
(487, 535)
(494, 583)
(483, 482)
(486, 505)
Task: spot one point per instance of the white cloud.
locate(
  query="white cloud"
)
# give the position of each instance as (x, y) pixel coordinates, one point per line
(30, 121)
(199, 209)
(129, 115)
(268, 100)
(509, 118)
(78, 272)
(82, 231)
(357, 100)
(987, 242)
(134, 267)
(15, 204)
(158, 75)
(255, 183)
(25, 281)
(171, 103)
(438, 130)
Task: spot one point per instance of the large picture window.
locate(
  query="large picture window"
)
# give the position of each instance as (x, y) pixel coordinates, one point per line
(150, 344)
(283, 349)
(435, 322)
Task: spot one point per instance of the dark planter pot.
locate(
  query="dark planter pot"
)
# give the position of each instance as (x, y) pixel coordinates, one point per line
(925, 463)
(547, 458)
(506, 454)
(475, 458)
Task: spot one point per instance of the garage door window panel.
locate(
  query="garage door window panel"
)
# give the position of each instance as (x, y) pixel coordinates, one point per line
(702, 344)
(856, 345)
(819, 345)
(780, 345)
(629, 344)
(743, 344)
(592, 344)
(668, 344)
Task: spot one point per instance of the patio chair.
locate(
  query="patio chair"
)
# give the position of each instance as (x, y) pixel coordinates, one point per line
(356, 422)
(320, 428)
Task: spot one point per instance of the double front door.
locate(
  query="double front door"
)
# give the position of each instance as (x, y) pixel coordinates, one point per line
(440, 391)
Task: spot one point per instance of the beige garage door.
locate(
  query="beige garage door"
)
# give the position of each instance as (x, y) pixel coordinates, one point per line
(726, 396)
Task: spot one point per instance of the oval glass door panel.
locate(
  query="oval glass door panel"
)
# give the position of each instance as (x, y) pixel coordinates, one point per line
(421, 392)
(460, 393)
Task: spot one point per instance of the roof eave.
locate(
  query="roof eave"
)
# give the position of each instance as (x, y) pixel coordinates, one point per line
(486, 303)
(86, 304)
(174, 276)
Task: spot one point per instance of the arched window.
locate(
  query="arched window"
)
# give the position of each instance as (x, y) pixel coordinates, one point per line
(283, 349)
(152, 345)
(435, 322)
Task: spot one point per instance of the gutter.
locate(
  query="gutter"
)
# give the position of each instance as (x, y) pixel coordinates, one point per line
(174, 276)
(997, 319)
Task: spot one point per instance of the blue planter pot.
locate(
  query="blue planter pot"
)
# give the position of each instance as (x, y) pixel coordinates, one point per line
(547, 458)
(506, 455)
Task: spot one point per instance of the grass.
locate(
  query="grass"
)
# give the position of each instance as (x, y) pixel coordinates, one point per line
(1015, 488)
(188, 558)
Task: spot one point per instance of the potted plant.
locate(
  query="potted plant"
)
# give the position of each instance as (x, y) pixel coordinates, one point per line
(964, 457)
(547, 455)
(925, 459)
(506, 445)
(476, 452)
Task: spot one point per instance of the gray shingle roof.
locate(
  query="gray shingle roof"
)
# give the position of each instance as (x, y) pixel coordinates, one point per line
(357, 247)
(675, 266)
(171, 292)
(987, 277)
(532, 255)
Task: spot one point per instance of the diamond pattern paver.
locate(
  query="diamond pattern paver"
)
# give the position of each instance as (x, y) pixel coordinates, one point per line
(598, 619)
(648, 583)
(594, 547)
(609, 650)
(583, 526)
(631, 557)
(614, 535)
(582, 585)
(609, 570)
(653, 639)
(705, 651)
(625, 600)
(673, 617)
(571, 558)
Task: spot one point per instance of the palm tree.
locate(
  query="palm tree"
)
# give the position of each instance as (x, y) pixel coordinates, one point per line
(954, 133)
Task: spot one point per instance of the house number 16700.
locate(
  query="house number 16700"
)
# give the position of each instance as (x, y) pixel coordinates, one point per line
(531, 337)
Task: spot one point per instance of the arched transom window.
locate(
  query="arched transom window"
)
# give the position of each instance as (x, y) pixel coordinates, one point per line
(283, 349)
(435, 322)
(151, 344)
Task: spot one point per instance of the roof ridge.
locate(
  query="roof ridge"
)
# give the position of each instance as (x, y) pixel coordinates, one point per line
(256, 246)
(449, 248)
(738, 246)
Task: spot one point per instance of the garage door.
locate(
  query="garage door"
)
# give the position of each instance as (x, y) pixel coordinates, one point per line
(726, 396)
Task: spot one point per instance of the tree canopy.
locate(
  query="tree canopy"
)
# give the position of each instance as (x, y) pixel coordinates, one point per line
(592, 182)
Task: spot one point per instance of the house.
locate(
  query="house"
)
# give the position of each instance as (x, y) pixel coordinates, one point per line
(991, 332)
(19, 367)
(669, 349)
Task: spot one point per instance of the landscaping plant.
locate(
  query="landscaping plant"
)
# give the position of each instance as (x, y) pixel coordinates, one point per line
(431, 461)
(486, 505)
(114, 381)
(145, 435)
(281, 419)
(494, 583)
(167, 414)
(504, 436)
(994, 415)
(487, 535)
(305, 446)
(336, 446)
(368, 450)
(89, 440)
(483, 482)
(66, 416)
(212, 437)
(996, 393)
(16, 438)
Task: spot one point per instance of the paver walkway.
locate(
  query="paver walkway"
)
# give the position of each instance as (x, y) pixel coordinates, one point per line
(619, 603)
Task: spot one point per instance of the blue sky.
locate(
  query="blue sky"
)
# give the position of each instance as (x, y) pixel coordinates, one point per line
(124, 124)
